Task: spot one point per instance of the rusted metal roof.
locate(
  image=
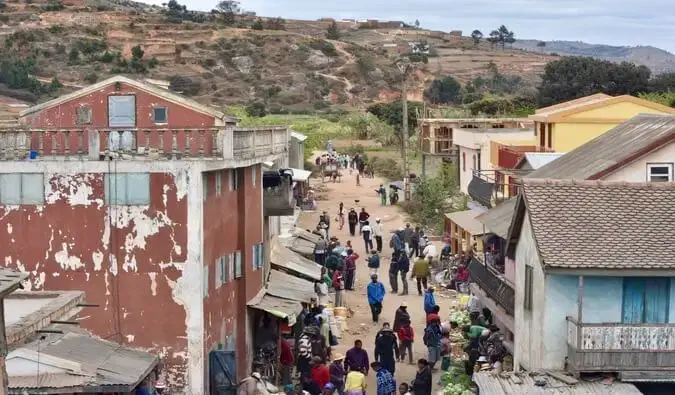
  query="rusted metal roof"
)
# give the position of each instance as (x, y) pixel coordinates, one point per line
(10, 281)
(279, 307)
(524, 384)
(498, 219)
(283, 257)
(76, 361)
(614, 148)
(596, 224)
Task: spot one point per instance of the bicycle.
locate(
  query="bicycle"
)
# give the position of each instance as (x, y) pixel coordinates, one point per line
(266, 358)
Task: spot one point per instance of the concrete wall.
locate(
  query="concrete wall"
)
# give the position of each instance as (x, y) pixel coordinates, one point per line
(233, 221)
(529, 324)
(63, 115)
(467, 157)
(510, 270)
(637, 170)
(296, 154)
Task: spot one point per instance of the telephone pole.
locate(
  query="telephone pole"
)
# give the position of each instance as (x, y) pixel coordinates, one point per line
(404, 67)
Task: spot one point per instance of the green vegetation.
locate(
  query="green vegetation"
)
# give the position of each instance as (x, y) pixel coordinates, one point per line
(333, 32)
(443, 91)
(53, 6)
(502, 36)
(665, 98)
(258, 25)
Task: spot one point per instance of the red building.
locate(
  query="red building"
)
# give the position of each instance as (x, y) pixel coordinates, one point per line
(152, 204)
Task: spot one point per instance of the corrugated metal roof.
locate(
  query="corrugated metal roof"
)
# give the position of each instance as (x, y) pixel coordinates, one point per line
(467, 221)
(282, 308)
(288, 286)
(287, 259)
(86, 361)
(498, 219)
(301, 175)
(298, 136)
(298, 245)
(509, 384)
(539, 159)
(610, 149)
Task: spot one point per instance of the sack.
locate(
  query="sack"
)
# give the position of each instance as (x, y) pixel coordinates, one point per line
(332, 339)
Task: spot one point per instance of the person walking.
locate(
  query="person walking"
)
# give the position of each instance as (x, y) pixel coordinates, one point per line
(286, 362)
(404, 267)
(421, 272)
(355, 383)
(396, 242)
(432, 339)
(374, 262)
(320, 251)
(325, 218)
(352, 220)
(367, 233)
(383, 194)
(304, 351)
(401, 315)
(423, 380)
(386, 385)
(393, 274)
(357, 358)
(363, 218)
(415, 242)
(407, 236)
(376, 293)
(386, 348)
(337, 285)
(406, 337)
(424, 240)
(320, 373)
(377, 234)
(337, 373)
(429, 300)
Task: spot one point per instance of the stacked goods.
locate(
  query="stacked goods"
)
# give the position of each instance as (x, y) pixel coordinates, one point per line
(455, 382)
(460, 317)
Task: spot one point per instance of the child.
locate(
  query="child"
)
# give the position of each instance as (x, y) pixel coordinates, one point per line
(404, 389)
(406, 337)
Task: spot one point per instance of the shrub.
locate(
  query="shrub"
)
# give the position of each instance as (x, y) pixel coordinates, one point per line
(185, 85)
(55, 84)
(91, 78)
(258, 25)
(107, 57)
(53, 6)
(153, 62)
(73, 55)
(256, 109)
(56, 29)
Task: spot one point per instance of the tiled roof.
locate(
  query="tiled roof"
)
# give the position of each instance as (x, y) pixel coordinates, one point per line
(612, 149)
(594, 224)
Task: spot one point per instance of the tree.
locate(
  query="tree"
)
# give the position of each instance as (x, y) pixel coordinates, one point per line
(258, 25)
(275, 24)
(662, 83)
(577, 76)
(55, 84)
(541, 45)
(137, 52)
(417, 23)
(476, 35)
(443, 91)
(494, 38)
(256, 109)
(333, 32)
(392, 114)
(229, 9)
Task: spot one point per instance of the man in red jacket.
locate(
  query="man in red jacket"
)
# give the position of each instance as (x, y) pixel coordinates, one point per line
(337, 285)
(286, 360)
(406, 337)
(320, 372)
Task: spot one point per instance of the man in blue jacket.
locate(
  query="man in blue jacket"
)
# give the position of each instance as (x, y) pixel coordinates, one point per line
(375, 293)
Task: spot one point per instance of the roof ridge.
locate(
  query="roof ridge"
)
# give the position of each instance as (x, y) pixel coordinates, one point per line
(597, 183)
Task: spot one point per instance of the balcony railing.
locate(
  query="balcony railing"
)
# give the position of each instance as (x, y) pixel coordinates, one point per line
(211, 143)
(508, 156)
(611, 347)
(493, 284)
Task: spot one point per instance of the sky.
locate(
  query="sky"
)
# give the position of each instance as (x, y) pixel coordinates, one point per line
(613, 22)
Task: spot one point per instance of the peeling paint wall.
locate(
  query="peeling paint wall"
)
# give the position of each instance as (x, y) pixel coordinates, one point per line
(232, 221)
(131, 260)
(63, 115)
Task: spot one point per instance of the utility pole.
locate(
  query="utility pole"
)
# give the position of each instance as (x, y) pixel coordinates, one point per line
(404, 67)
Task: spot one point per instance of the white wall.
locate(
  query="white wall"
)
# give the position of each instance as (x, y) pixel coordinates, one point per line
(637, 170)
(466, 171)
(529, 324)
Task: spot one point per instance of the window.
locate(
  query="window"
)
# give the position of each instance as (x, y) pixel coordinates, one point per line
(474, 163)
(549, 142)
(219, 272)
(22, 188)
(122, 111)
(660, 172)
(528, 288)
(224, 267)
(233, 179)
(159, 115)
(230, 265)
(258, 256)
(127, 188)
(205, 186)
(542, 136)
(254, 174)
(645, 300)
(83, 115)
(219, 183)
(463, 161)
(237, 264)
(205, 282)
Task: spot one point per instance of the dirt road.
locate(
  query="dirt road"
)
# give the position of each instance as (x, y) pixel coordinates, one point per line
(360, 324)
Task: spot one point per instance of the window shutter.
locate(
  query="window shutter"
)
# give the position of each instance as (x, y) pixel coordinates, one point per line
(10, 188)
(233, 263)
(219, 273)
(122, 111)
(237, 266)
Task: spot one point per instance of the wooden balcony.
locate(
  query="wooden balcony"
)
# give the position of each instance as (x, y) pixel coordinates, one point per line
(140, 144)
(277, 195)
(616, 347)
(494, 285)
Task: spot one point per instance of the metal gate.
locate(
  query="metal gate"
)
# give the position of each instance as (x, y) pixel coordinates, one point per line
(222, 372)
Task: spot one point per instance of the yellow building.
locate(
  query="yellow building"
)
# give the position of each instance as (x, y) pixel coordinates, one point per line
(565, 126)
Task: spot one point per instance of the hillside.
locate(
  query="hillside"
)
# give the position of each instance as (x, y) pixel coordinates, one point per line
(658, 60)
(289, 65)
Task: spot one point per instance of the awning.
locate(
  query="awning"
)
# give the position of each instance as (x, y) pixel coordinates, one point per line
(298, 136)
(287, 286)
(283, 308)
(268, 164)
(298, 245)
(467, 221)
(306, 235)
(291, 261)
(498, 219)
(301, 175)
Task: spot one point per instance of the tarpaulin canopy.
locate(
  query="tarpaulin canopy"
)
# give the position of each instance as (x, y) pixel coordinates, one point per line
(287, 286)
(283, 257)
